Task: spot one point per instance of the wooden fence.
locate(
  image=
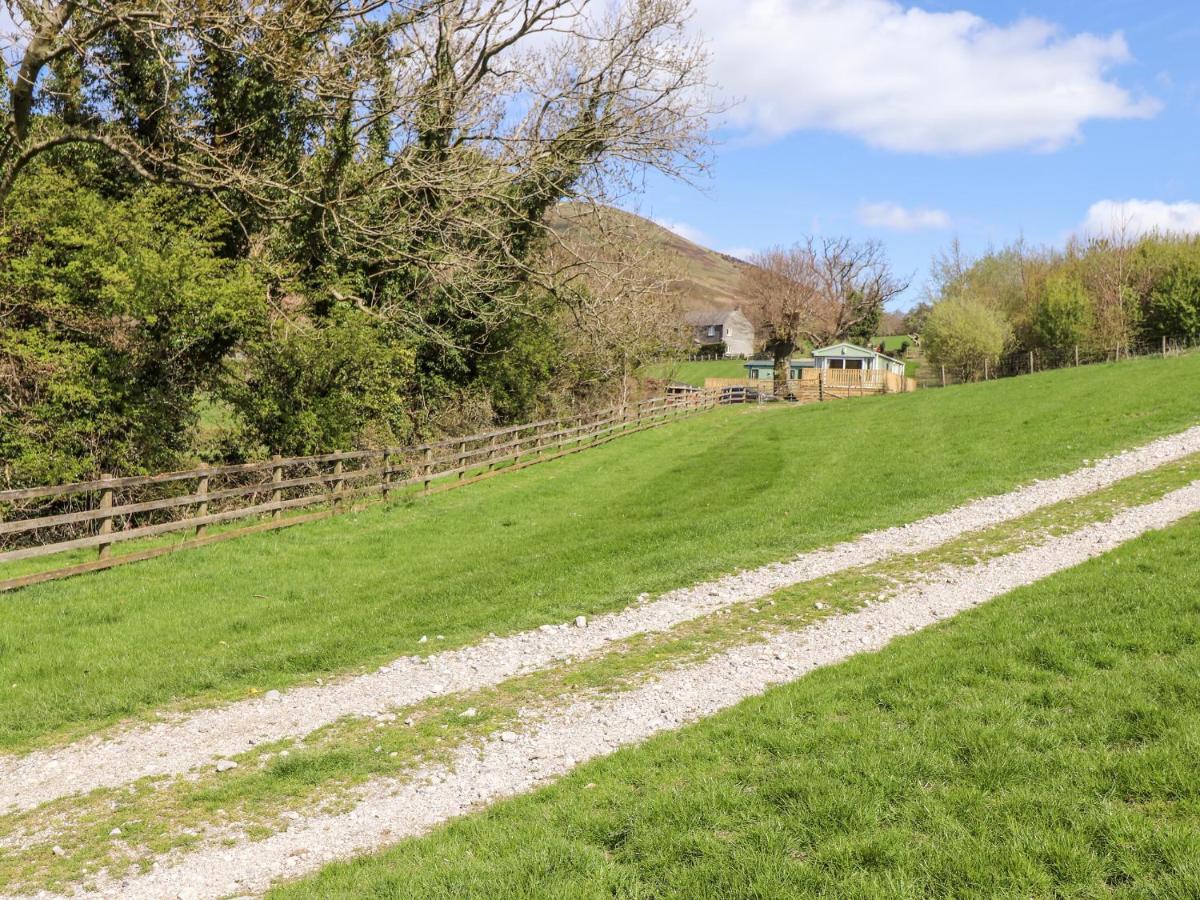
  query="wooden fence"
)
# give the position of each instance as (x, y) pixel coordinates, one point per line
(816, 385)
(94, 516)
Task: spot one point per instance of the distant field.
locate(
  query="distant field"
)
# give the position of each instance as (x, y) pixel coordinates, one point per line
(1044, 745)
(696, 372)
(891, 343)
(730, 489)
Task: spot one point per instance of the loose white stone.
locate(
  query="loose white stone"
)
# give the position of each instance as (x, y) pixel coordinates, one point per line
(225, 765)
(508, 736)
(274, 695)
(581, 621)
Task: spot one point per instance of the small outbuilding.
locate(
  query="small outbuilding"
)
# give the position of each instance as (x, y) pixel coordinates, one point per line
(764, 369)
(839, 356)
(852, 356)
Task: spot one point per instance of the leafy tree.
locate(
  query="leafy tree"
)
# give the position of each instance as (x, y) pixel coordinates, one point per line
(312, 388)
(915, 318)
(117, 313)
(1063, 315)
(1171, 306)
(963, 334)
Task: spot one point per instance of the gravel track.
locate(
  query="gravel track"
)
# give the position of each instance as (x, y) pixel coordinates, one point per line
(551, 745)
(185, 742)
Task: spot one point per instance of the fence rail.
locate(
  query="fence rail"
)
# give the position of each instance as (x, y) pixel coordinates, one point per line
(816, 385)
(105, 512)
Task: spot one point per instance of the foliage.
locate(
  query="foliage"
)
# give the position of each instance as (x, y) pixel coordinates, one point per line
(915, 318)
(1101, 295)
(340, 384)
(964, 335)
(1062, 318)
(384, 176)
(116, 313)
(1172, 300)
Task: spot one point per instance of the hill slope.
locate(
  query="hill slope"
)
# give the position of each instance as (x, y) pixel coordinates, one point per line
(707, 280)
(581, 535)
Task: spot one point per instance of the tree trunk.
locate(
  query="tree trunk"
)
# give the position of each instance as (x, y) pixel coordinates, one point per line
(782, 360)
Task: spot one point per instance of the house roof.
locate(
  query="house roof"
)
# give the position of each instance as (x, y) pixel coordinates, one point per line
(713, 317)
(852, 351)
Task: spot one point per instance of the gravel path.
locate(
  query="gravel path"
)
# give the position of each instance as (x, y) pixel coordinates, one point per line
(550, 746)
(182, 743)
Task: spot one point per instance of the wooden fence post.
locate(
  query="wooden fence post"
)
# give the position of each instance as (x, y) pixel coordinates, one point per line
(1164, 346)
(276, 493)
(339, 483)
(202, 506)
(428, 468)
(462, 459)
(1077, 356)
(1030, 362)
(106, 524)
(985, 369)
(385, 479)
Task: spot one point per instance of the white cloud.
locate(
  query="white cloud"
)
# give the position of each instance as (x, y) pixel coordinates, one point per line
(910, 80)
(685, 231)
(898, 218)
(1139, 217)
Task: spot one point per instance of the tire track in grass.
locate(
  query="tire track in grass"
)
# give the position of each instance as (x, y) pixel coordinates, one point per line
(550, 745)
(185, 742)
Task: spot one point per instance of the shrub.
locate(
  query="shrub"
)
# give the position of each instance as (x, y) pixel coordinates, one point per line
(962, 335)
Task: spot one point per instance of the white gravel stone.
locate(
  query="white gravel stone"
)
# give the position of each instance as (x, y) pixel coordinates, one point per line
(581, 622)
(180, 743)
(509, 737)
(274, 695)
(226, 765)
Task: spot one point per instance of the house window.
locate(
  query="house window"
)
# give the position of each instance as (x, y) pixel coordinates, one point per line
(712, 330)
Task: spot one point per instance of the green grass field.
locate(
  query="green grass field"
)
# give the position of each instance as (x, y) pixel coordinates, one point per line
(1044, 745)
(695, 372)
(734, 488)
(892, 342)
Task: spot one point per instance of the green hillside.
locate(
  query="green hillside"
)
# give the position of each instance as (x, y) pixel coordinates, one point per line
(707, 279)
(730, 489)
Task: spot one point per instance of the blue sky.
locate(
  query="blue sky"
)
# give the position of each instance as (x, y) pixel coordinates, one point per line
(916, 123)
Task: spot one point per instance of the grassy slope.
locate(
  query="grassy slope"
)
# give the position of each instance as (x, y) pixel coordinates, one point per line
(1047, 744)
(696, 372)
(734, 488)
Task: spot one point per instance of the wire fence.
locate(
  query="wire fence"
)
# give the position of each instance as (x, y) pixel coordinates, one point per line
(1026, 362)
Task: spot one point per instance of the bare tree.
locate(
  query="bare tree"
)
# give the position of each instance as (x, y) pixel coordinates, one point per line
(421, 140)
(820, 292)
(620, 297)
